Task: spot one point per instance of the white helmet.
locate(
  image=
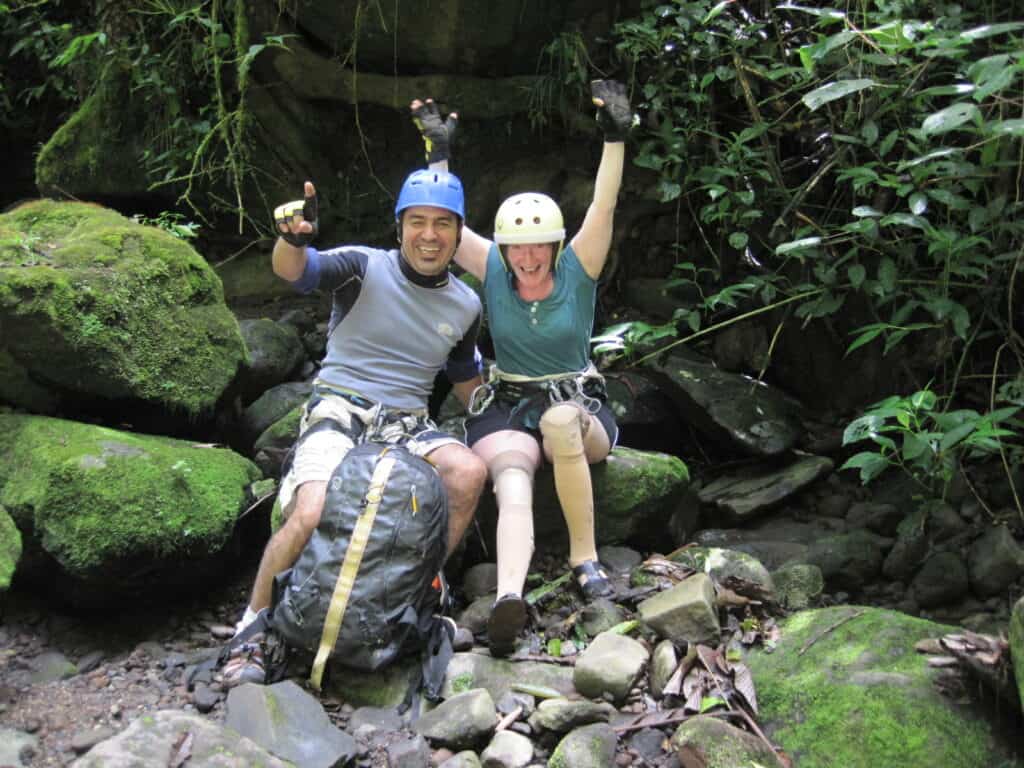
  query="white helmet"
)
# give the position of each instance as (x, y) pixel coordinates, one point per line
(529, 218)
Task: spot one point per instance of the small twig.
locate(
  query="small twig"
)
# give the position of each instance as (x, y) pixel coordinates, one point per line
(508, 719)
(565, 661)
(256, 503)
(835, 626)
(647, 721)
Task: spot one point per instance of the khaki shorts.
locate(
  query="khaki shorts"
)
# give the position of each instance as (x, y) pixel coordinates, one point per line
(318, 454)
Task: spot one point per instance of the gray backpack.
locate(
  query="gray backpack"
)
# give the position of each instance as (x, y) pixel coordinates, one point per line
(361, 593)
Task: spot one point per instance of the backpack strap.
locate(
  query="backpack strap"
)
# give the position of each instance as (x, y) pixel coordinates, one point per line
(350, 566)
(429, 677)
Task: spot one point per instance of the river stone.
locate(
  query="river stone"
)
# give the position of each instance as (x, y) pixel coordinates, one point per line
(878, 517)
(499, 676)
(465, 759)
(475, 615)
(611, 664)
(406, 752)
(591, 746)
(17, 748)
(272, 405)
(724, 564)
(290, 723)
(462, 722)
(797, 584)
(996, 560)
(276, 441)
(646, 418)
(1017, 646)
(51, 666)
(385, 688)
(911, 547)
(718, 744)
(480, 580)
(10, 549)
(275, 351)
(103, 309)
(738, 497)
(507, 750)
(599, 616)
(942, 580)
(376, 719)
(562, 715)
(151, 739)
(101, 502)
(686, 613)
(848, 560)
(733, 410)
(619, 559)
(844, 686)
(664, 661)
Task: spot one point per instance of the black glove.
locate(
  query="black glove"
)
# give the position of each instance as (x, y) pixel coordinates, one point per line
(285, 214)
(438, 135)
(614, 115)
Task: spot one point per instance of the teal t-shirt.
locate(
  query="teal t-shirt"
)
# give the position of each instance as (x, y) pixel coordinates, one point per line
(538, 338)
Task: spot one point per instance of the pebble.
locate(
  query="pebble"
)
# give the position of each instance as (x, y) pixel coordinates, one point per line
(205, 698)
(85, 740)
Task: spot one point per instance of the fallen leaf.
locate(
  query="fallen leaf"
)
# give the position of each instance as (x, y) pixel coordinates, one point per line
(182, 750)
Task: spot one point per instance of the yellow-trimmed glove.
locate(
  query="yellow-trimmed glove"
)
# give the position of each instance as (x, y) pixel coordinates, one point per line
(296, 212)
(614, 114)
(438, 135)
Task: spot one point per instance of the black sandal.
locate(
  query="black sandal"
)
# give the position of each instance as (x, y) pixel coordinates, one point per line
(592, 579)
(507, 620)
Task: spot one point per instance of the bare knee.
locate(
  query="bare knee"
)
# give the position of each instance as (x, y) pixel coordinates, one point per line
(463, 472)
(308, 506)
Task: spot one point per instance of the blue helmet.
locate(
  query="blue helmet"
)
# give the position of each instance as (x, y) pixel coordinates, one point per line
(437, 188)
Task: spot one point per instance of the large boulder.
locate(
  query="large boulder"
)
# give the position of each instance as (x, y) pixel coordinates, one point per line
(118, 512)
(10, 548)
(98, 310)
(844, 686)
(1017, 646)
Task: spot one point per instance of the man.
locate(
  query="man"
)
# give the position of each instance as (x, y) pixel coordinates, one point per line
(397, 319)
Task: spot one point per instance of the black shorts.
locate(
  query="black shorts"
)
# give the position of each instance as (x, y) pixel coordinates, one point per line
(499, 415)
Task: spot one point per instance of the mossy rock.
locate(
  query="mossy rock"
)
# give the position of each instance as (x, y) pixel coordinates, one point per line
(845, 687)
(94, 306)
(118, 509)
(1017, 646)
(10, 548)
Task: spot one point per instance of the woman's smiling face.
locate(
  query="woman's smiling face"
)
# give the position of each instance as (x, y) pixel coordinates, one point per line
(531, 264)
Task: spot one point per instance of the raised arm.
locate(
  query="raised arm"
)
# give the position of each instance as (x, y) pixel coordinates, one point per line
(438, 136)
(594, 239)
(296, 225)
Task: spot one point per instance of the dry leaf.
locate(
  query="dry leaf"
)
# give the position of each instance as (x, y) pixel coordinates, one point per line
(743, 681)
(182, 750)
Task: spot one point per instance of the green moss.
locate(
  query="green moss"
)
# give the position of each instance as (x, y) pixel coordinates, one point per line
(860, 695)
(97, 499)
(10, 548)
(114, 309)
(462, 683)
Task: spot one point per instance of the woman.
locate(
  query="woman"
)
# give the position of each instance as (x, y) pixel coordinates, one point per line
(545, 395)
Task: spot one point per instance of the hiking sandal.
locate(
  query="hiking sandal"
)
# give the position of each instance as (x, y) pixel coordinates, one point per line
(592, 580)
(507, 620)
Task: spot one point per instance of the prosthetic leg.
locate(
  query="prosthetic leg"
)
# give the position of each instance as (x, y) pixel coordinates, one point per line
(513, 487)
(564, 426)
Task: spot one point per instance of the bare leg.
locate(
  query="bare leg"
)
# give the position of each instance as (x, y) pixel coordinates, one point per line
(284, 547)
(464, 475)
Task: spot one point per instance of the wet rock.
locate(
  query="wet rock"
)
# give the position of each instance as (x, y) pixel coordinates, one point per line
(718, 744)
(647, 744)
(562, 715)
(941, 580)
(466, 759)
(646, 418)
(480, 580)
(1017, 645)
(409, 753)
(996, 560)
(205, 698)
(834, 505)
(610, 664)
(507, 750)
(275, 350)
(151, 739)
(17, 748)
(599, 616)
(499, 676)
(51, 666)
(619, 559)
(376, 719)
(474, 617)
(664, 661)
(880, 518)
(739, 497)
(797, 585)
(290, 723)
(83, 741)
(513, 700)
(910, 549)
(461, 722)
(591, 746)
(848, 560)
(90, 661)
(272, 405)
(686, 613)
(383, 688)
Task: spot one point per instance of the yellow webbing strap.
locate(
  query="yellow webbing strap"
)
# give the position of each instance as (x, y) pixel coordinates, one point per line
(349, 569)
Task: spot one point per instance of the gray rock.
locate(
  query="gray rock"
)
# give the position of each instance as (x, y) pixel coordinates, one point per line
(591, 746)
(376, 719)
(686, 613)
(461, 722)
(911, 547)
(290, 723)
(797, 585)
(741, 496)
(480, 580)
(599, 616)
(271, 406)
(466, 759)
(51, 666)
(734, 410)
(205, 698)
(275, 350)
(647, 743)
(646, 417)
(17, 748)
(834, 505)
(382, 688)
(720, 744)
(619, 559)
(409, 753)
(151, 739)
(474, 617)
(499, 676)
(83, 741)
(848, 560)
(1016, 635)
(664, 661)
(513, 700)
(507, 750)
(880, 518)
(722, 565)
(562, 715)
(610, 664)
(941, 580)
(996, 560)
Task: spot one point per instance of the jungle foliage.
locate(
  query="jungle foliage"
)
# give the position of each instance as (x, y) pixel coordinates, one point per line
(870, 152)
